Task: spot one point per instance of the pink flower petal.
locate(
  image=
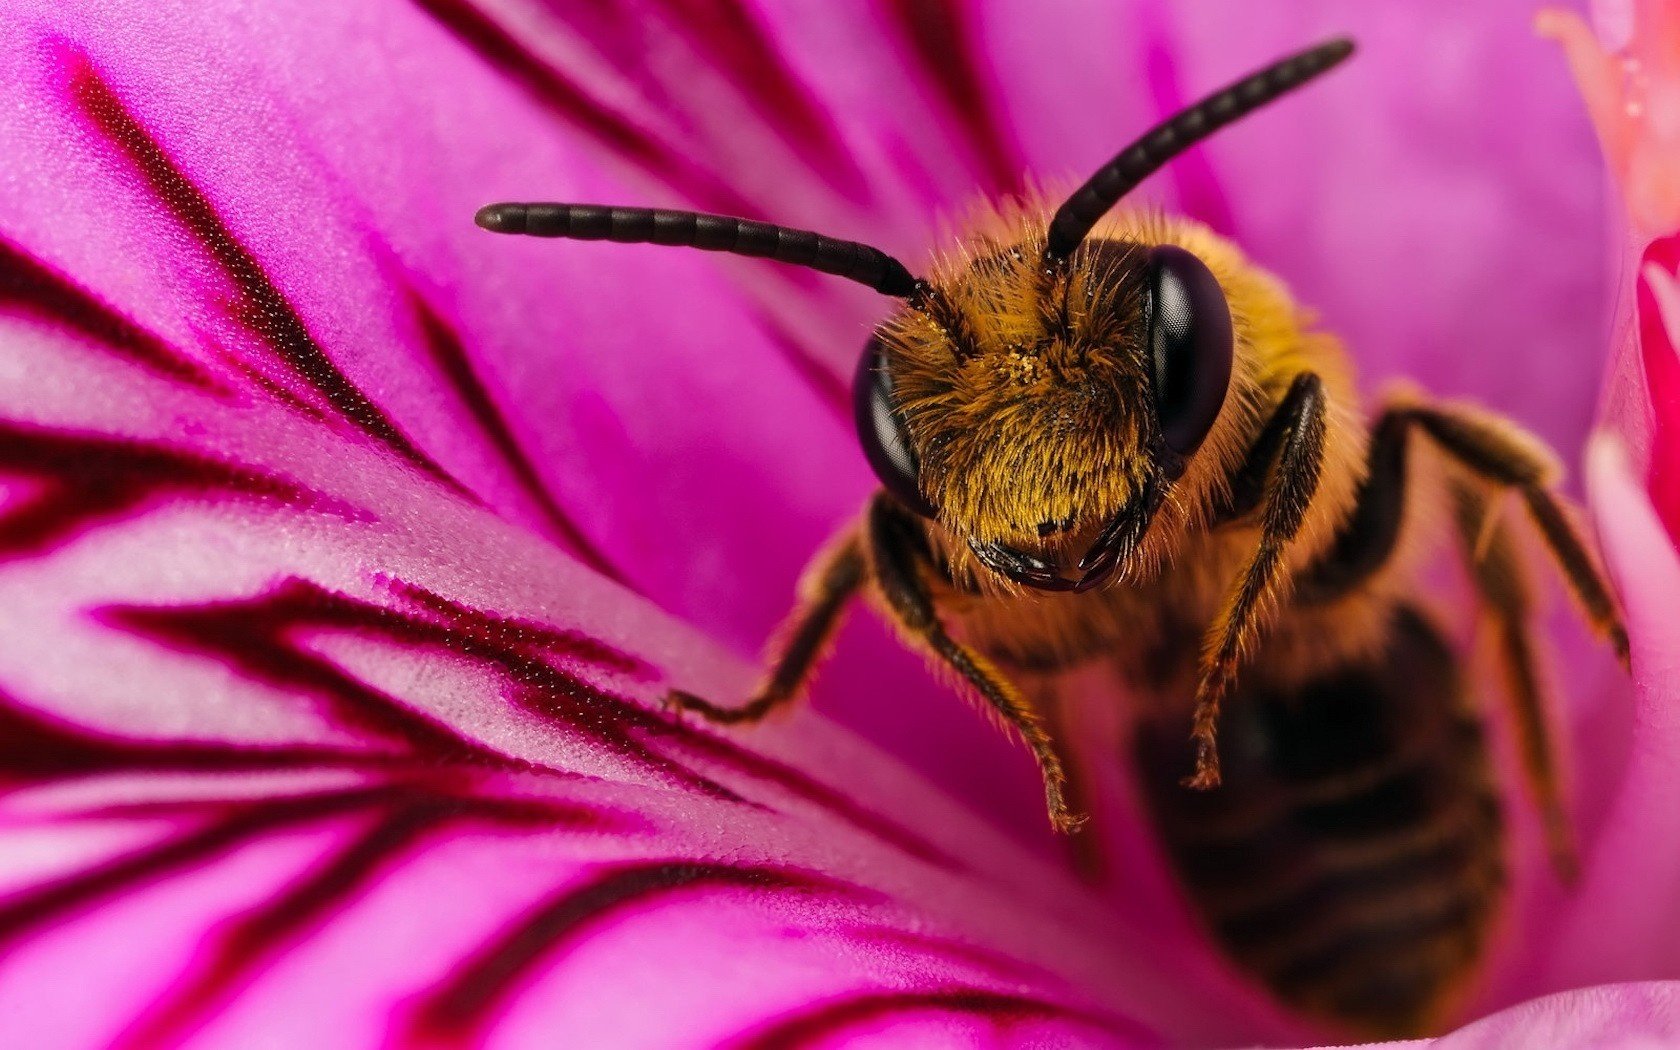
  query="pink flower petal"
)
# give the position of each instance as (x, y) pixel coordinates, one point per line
(1658, 422)
(1625, 908)
(351, 755)
(1439, 202)
(1642, 1016)
(1633, 96)
(1631, 87)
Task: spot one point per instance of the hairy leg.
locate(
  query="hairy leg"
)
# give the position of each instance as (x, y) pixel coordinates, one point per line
(1044, 695)
(898, 558)
(1294, 438)
(1496, 452)
(833, 579)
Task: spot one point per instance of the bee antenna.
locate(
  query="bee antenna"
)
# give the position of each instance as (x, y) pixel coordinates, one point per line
(712, 233)
(1075, 218)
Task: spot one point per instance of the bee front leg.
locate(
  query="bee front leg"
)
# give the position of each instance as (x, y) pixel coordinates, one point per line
(1295, 437)
(898, 557)
(826, 588)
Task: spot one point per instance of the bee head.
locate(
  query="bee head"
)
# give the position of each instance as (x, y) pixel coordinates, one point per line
(1045, 390)
(1043, 412)
(1042, 392)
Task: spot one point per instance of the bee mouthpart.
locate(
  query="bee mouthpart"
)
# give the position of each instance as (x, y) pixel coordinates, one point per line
(1119, 540)
(1113, 546)
(1029, 570)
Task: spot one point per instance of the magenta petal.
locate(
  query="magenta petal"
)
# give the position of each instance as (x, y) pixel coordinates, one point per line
(301, 745)
(1631, 88)
(515, 368)
(1625, 911)
(312, 729)
(1641, 1016)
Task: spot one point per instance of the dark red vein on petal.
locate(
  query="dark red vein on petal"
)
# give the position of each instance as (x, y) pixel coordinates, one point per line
(761, 767)
(827, 1021)
(83, 478)
(731, 35)
(465, 1004)
(29, 911)
(243, 948)
(515, 643)
(30, 286)
(1200, 194)
(256, 638)
(834, 390)
(943, 42)
(498, 630)
(550, 88)
(35, 748)
(260, 307)
(983, 961)
(259, 637)
(450, 356)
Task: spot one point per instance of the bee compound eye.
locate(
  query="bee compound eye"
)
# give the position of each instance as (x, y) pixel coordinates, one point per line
(886, 442)
(1190, 345)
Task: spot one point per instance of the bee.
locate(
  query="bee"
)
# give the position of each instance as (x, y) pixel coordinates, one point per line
(1107, 435)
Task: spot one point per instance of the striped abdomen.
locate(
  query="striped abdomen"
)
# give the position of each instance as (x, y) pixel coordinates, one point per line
(1352, 860)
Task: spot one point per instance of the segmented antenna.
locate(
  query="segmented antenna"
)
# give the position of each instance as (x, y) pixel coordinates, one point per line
(1074, 219)
(712, 233)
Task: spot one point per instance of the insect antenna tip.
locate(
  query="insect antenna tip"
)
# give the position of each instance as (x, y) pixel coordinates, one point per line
(502, 218)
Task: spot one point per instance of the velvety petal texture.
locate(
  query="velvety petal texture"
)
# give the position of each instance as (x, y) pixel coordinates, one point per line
(325, 721)
(1618, 1017)
(1629, 75)
(346, 551)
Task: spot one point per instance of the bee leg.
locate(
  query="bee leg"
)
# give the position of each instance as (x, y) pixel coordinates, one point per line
(1493, 451)
(1044, 696)
(1500, 453)
(1502, 584)
(828, 585)
(1295, 436)
(898, 556)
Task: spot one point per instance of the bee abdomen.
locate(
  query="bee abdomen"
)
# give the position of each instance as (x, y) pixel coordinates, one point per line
(1352, 859)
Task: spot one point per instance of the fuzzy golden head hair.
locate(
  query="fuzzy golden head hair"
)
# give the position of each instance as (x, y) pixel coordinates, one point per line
(1027, 391)
(1025, 388)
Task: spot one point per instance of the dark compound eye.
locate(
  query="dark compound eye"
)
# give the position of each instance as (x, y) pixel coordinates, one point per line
(1189, 346)
(885, 441)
